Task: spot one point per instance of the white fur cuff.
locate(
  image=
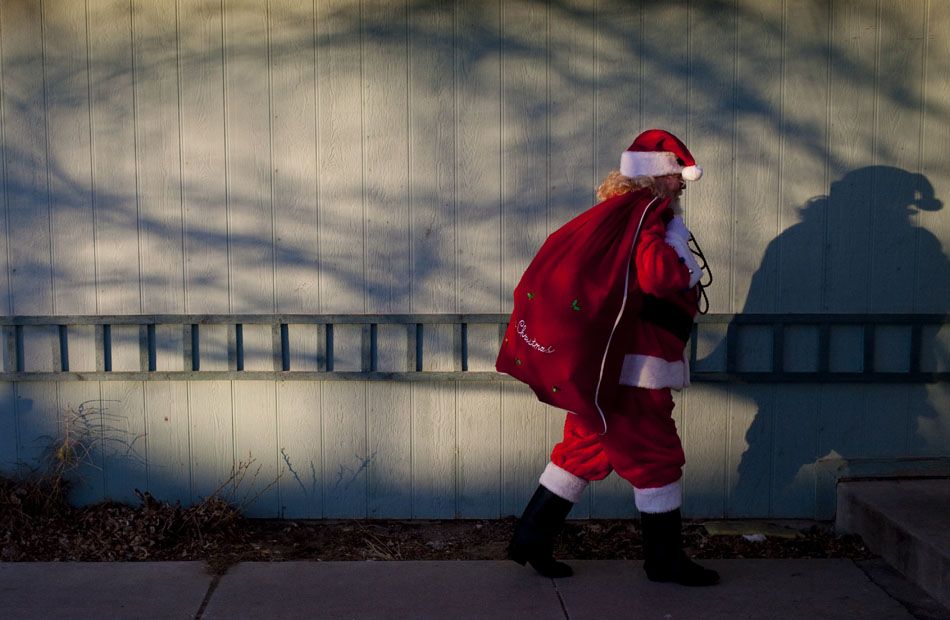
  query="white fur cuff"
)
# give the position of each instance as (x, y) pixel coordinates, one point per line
(682, 250)
(563, 483)
(653, 373)
(660, 499)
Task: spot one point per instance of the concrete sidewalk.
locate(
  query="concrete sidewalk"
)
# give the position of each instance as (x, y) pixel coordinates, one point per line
(600, 590)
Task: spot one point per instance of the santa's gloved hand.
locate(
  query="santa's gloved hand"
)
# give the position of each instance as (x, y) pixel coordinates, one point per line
(677, 237)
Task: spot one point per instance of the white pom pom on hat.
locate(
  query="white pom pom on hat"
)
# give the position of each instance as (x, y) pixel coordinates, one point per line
(656, 153)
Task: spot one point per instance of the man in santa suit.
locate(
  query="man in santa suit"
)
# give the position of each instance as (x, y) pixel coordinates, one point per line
(638, 437)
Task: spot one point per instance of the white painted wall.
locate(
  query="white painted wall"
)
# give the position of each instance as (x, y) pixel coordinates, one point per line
(301, 156)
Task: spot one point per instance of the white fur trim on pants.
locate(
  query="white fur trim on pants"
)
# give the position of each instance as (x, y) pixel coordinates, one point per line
(563, 483)
(661, 499)
(654, 373)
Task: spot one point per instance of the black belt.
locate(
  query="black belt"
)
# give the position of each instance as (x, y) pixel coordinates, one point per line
(667, 316)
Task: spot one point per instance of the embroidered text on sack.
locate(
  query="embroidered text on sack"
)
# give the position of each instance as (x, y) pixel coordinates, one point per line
(534, 344)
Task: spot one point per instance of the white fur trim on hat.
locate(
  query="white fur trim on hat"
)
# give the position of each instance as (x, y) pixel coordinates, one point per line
(654, 373)
(648, 163)
(563, 483)
(655, 164)
(660, 499)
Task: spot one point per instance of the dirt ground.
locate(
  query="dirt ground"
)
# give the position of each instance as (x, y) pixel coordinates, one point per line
(37, 524)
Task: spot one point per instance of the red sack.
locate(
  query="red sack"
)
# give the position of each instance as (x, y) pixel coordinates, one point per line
(561, 339)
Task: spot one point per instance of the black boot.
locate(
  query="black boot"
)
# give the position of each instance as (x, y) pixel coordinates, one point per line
(664, 559)
(533, 541)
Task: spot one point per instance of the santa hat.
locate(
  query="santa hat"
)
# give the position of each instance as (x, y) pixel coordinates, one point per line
(656, 153)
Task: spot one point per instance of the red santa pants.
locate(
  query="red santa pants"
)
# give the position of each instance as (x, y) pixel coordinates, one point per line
(641, 442)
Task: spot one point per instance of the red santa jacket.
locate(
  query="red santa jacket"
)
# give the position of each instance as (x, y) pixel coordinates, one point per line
(655, 337)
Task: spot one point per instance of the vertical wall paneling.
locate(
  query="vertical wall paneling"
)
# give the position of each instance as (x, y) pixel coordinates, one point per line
(86, 416)
(704, 429)
(255, 443)
(933, 232)
(5, 289)
(301, 457)
(389, 429)
(9, 433)
(664, 61)
(795, 420)
(206, 239)
(345, 451)
(524, 446)
(128, 354)
(435, 434)
(709, 203)
(749, 449)
(887, 419)
(803, 174)
(201, 76)
(803, 141)
(115, 185)
(70, 175)
(294, 134)
(841, 421)
(479, 451)
(850, 150)
(703, 414)
(38, 416)
(25, 159)
(477, 78)
(155, 40)
(340, 156)
(617, 83)
(931, 431)
(759, 74)
(434, 429)
(391, 451)
(41, 351)
(384, 90)
(262, 347)
(393, 86)
(524, 195)
(477, 71)
(479, 429)
(249, 167)
(893, 241)
(213, 459)
(362, 156)
(172, 347)
(127, 467)
(38, 425)
(432, 162)
(570, 75)
(525, 114)
(169, 443)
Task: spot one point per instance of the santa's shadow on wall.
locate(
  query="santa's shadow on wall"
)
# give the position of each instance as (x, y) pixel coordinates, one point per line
(861, 249)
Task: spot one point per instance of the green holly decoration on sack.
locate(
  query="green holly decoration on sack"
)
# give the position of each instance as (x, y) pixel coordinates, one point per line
(574, 306)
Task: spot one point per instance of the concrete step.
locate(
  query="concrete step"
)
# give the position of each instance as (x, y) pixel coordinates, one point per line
(907, 522)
